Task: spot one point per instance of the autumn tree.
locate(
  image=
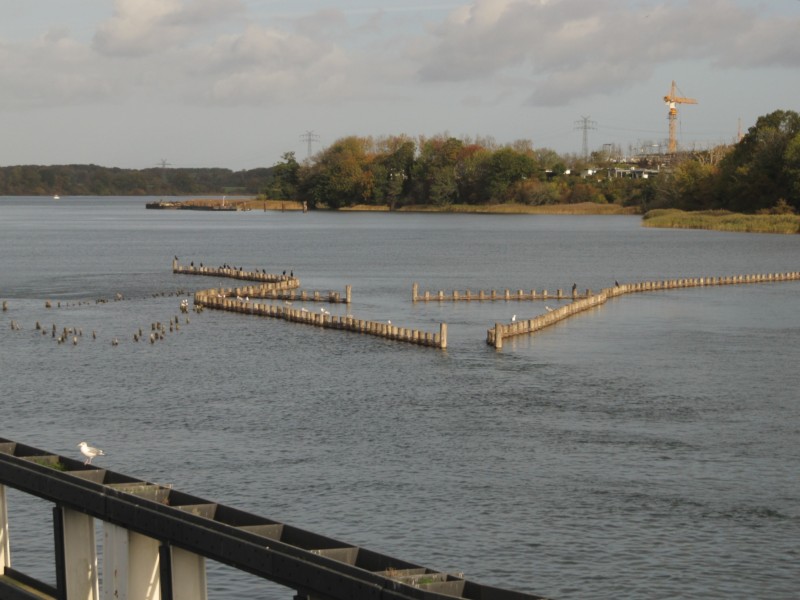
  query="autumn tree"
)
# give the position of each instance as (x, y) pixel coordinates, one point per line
(339, 176)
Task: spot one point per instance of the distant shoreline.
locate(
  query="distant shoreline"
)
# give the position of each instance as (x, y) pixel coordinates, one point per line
(660, 218)
(244, 204)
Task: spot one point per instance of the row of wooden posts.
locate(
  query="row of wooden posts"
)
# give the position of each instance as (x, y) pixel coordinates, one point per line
(216, 299)
(493, 295)
(279, 287)
(235, 273)
(501, 331)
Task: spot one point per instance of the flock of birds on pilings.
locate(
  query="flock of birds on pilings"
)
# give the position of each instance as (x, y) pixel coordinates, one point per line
(157, 331)
(73, 335)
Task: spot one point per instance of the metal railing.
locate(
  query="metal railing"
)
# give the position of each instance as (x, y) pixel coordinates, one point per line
(151, 528)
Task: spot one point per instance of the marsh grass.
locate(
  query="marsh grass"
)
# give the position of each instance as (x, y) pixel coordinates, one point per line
(720, 220)
(583, 208)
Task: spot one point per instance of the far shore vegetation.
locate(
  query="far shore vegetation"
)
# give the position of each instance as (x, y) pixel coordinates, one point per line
(722, 221)
(752, 185)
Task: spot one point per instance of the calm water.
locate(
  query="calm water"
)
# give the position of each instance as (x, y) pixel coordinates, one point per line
(648, 449)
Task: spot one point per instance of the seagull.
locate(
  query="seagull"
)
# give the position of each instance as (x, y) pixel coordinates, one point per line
(89, 452)
(548, 309)
(513, 318)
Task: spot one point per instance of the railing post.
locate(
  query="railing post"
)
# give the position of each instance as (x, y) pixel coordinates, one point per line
(130, 565)
(188, 571)
(76, 555)
(5, 545)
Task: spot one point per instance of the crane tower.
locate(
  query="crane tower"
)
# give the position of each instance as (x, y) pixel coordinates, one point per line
(672, 99)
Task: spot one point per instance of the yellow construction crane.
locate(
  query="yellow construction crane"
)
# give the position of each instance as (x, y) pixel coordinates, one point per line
(671, 100)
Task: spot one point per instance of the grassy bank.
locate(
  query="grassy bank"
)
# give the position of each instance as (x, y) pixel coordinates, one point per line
(722, 221)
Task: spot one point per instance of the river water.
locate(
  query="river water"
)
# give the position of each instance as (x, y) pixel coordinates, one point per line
(645, 449)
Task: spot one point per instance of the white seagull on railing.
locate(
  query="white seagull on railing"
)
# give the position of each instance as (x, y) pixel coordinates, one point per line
(89, 452)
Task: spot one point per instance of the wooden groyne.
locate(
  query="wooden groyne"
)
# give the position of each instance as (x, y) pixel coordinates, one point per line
(501, 331)
(494, 295)
(276, 292)
(272, 286)
(284, 281)
(216, 300)
(282, 287)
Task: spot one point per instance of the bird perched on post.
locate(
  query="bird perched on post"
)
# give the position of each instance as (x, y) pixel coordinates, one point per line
(89, 452)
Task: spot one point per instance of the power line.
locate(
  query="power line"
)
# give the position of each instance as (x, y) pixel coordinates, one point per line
(586, 124)
(309, 137)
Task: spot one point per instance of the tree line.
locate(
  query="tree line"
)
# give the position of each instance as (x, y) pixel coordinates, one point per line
(442, 171)
(760, 173)
(94, 180)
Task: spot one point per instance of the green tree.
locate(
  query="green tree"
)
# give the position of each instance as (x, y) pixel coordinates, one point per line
(692, 185)
(504, 168)
(339, 176)
(761, 168)
(284, 178)
(391, 170)
(435, 171)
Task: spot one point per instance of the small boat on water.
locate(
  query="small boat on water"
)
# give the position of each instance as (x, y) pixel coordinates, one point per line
(56, 197)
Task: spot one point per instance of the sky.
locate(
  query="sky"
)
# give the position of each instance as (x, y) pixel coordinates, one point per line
(237, 83)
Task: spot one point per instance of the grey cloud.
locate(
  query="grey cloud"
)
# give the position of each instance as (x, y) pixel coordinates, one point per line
(141, 29)
(50, 70)
(573, 48)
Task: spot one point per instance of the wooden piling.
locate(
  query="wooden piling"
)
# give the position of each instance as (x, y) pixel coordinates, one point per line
(590, 300)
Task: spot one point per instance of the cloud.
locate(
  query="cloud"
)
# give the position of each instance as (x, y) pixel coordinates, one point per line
(570, 48)
(143, 27)
(264, 65)
(52, 69)
(540, 52)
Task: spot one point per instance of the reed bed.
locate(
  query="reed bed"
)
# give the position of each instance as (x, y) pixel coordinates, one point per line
(718, 220)
(583, 208)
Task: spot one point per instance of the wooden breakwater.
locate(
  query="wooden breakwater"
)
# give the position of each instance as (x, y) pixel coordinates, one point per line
(496, 335)
(494, 295)
(276, 292)
(272, 286)
(215, 299)
(282, 281)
